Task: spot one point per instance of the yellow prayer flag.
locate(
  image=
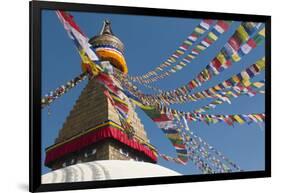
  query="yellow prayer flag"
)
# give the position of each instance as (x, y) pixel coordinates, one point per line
(261, 64)
(258, 84)
(144, 107)
(201, 95)
(262, 32)
(191, 56)
(182, 63)
(217, 87)
(174, 136)
(86, 60)
(200, 47)
(173, 59)
(235, 78)
(188, 42)
(199, 30)
(191, 98)
(242, 33)
(235, 57)
(212, 36)
(238, 119)
(246, 82)
(221, 58)
(119, 100)
(83, 56)
(230, 93)
(194, 82)
(180, 52)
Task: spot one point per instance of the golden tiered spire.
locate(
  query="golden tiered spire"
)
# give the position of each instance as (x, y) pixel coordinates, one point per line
(109, 48)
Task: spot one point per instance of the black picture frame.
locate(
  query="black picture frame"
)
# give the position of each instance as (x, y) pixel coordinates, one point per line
(35, 8)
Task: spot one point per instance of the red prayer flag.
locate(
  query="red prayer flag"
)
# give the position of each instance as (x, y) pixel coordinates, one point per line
(69, 19)
(234, 43)
(252, 43)
(224, 25)
(216, 63)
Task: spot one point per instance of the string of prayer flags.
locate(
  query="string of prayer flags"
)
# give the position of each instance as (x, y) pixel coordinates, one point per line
(199, 156)
(212, 119)
(204, 156)
(239, 80)
(219, 28)
(169, 158)
(242, 79)
(154, 88)
(53, 95)
(235, 48)
(198, 31)
(219, 63)
(166, 123)
(195, 157)
(217, 102)
(208, 152)
(229, 119)
(160, 110)
(213, 153)
(214, 164)
(235, 92)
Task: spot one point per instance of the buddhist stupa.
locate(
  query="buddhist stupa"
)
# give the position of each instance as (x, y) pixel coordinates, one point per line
(92, 145)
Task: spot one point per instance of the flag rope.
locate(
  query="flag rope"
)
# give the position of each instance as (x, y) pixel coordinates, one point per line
(199, 30)
(213, 35)
(60, 91)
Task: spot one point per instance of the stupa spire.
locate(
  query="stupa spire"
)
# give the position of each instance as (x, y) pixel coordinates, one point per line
(110, 48)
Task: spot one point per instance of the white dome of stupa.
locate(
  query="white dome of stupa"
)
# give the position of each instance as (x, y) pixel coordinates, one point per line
(106, 170)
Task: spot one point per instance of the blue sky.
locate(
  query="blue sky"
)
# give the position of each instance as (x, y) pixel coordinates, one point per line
(148, 42)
